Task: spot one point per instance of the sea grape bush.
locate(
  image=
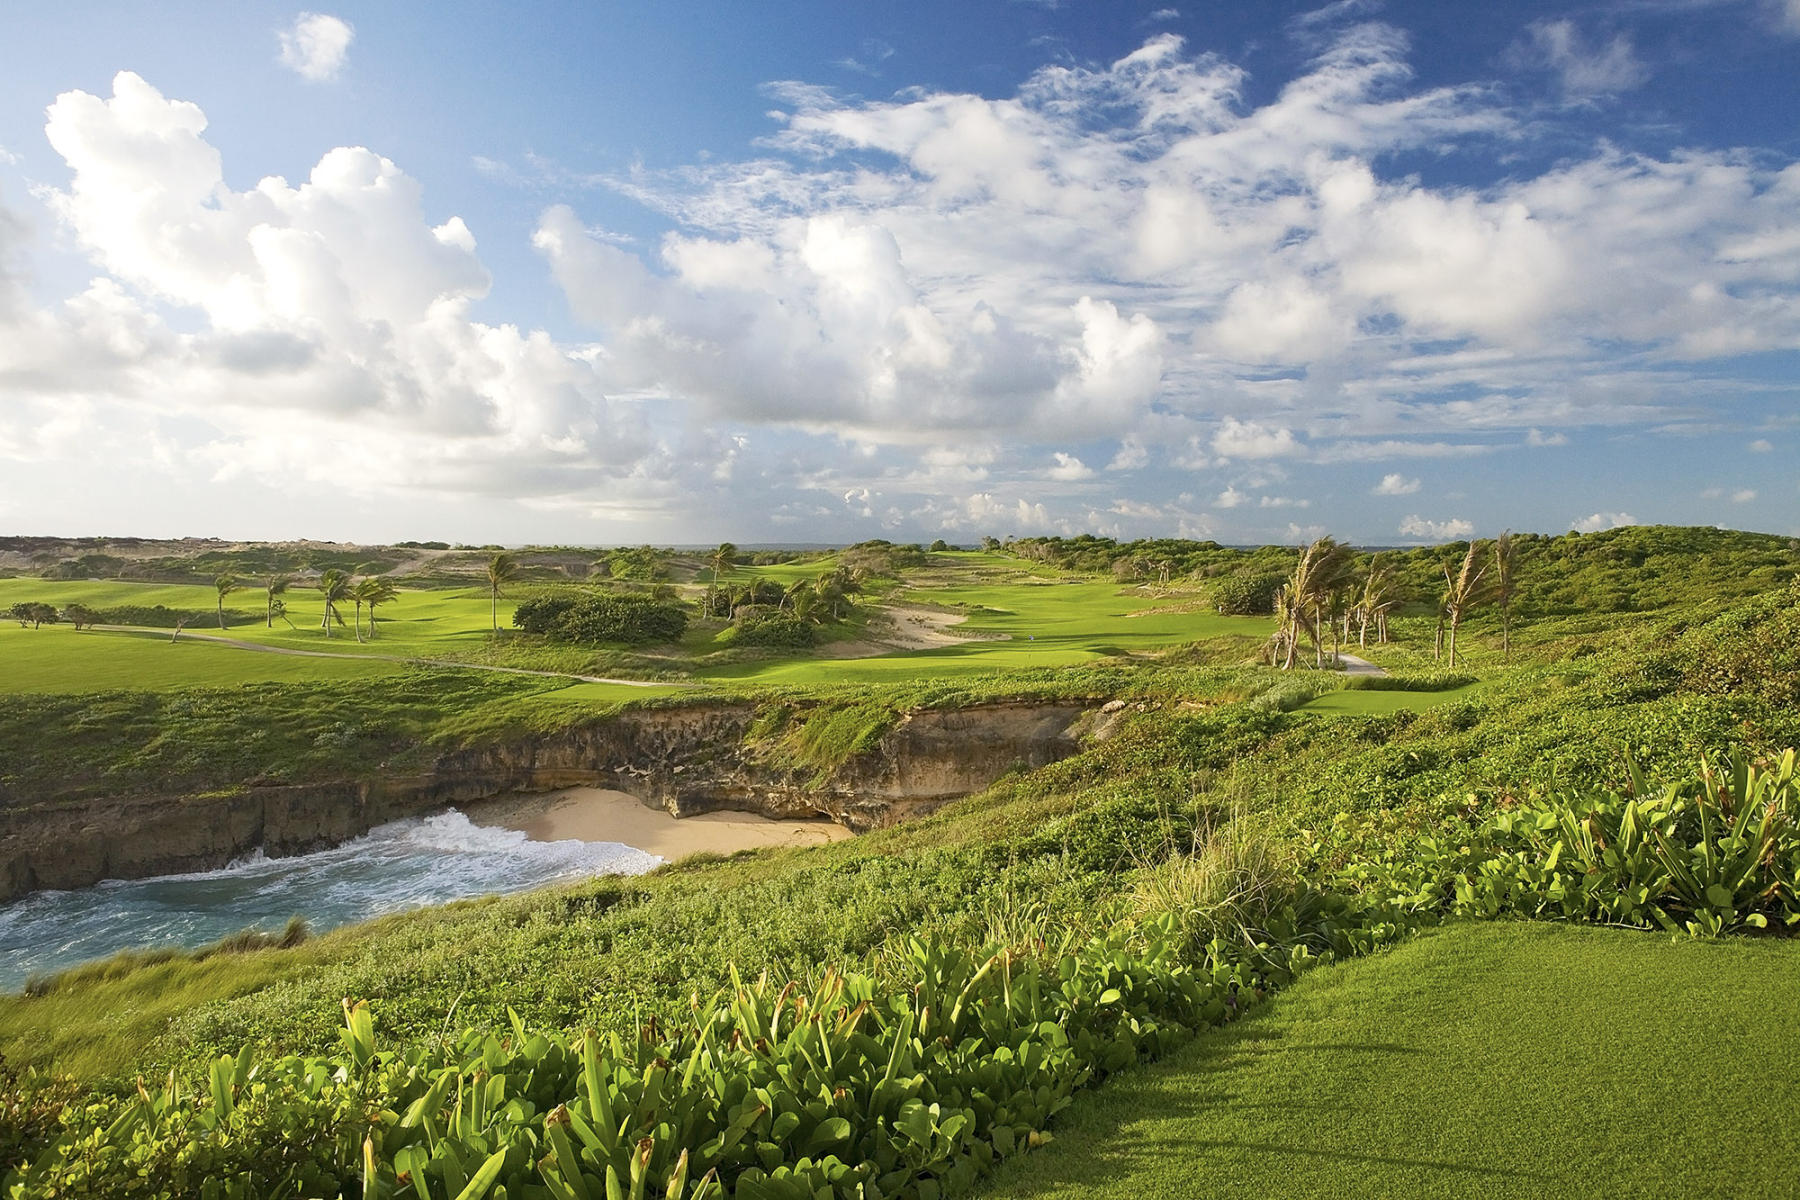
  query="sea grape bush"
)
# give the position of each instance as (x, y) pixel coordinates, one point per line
(1713, 854)
(838, 1089)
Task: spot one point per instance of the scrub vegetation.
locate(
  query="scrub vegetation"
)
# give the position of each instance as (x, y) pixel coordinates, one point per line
(1364, 880)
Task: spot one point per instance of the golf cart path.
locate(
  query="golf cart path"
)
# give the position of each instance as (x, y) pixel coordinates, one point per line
(241, 644)
(1359, 666)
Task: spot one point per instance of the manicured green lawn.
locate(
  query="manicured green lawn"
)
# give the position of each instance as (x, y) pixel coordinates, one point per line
(1044, 623)
(1033, 618)
(1481, 1061)
(58, 659)
(1380, 704)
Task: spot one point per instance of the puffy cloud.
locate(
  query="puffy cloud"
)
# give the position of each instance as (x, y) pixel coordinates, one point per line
(1395, 484)
(1252, 439)
(1440, 531)
(1537, 437)
(822, 325)
(1118, 248)
(1230, 498)
(1761, 446)
(1069, 468)
(1595, 522)
(316, 45)
(333, 337)
(1131, 455)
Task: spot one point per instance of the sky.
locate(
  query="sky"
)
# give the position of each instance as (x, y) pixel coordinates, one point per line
(614, 273)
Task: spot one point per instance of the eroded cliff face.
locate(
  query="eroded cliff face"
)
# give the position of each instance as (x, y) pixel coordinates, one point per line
(685, 760)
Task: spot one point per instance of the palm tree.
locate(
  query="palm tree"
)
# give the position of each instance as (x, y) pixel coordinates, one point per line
(502, 569)
(372, 590)
(1463, 591)
(1319, 578)
(1380, 596)
(277, 585)
(794, 591)
(381, 590)
(723, 559)
(225, 585)
(334, 586)
(1504, 587)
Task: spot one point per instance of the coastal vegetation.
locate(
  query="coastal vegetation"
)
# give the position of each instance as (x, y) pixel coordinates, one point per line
(1607, 767)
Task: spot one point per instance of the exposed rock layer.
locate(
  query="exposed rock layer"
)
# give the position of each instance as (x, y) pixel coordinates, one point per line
(686, 760)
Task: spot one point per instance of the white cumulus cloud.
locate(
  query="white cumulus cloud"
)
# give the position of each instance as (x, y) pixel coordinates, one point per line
(1452, 529)
(1395, 485)
(316, 45)
(1595, 522)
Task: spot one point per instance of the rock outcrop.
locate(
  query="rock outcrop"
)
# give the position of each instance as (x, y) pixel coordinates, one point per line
(686, 760)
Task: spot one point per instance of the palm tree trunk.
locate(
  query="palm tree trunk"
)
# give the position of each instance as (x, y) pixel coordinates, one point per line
(494, 608)
(359, 622)
(221, 612)
(327, 618)
(1455, 620)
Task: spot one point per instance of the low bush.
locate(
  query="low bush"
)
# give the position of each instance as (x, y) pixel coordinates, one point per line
(1246, 595)
(592, 618)
(776, 630)
(837, 1088)
(1712, 854)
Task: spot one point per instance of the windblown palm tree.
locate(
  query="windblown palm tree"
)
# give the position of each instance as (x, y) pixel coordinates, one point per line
(225, 584)
(1462, 592)
(277, 586)
(1318, 581)
(1505, 585)
(334, 587)
(1380, 596)
(372, 590)
(502, 569)
(722, 560)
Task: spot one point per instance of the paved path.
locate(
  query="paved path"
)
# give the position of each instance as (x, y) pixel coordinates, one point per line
(1359, 666)
(241, 644)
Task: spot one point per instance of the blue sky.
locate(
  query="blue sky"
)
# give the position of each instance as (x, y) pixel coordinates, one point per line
(820, 272)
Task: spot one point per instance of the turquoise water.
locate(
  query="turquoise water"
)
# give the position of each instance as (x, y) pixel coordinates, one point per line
(406, 864)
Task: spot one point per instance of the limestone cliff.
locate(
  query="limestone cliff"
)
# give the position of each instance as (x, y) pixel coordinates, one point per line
(686, 760)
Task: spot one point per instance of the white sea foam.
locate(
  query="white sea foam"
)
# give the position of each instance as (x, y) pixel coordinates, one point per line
(405, 864)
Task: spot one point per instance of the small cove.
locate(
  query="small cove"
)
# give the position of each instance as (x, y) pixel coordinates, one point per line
(509, 846)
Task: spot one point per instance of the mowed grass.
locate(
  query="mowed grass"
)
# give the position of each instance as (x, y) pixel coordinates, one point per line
(1369, 703)
(58, 659)
(1020, 625)
(419, 623)
(1019, 618)
(1493, 1060)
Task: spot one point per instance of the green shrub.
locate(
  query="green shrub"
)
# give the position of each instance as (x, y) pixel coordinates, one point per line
(592, 618)
(777, 631)
(1246, 595)
(839, 1087)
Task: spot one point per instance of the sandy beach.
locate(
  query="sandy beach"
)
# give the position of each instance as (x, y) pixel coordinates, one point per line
(590, 814)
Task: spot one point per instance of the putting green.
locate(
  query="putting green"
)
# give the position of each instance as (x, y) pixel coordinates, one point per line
(1364, 703)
